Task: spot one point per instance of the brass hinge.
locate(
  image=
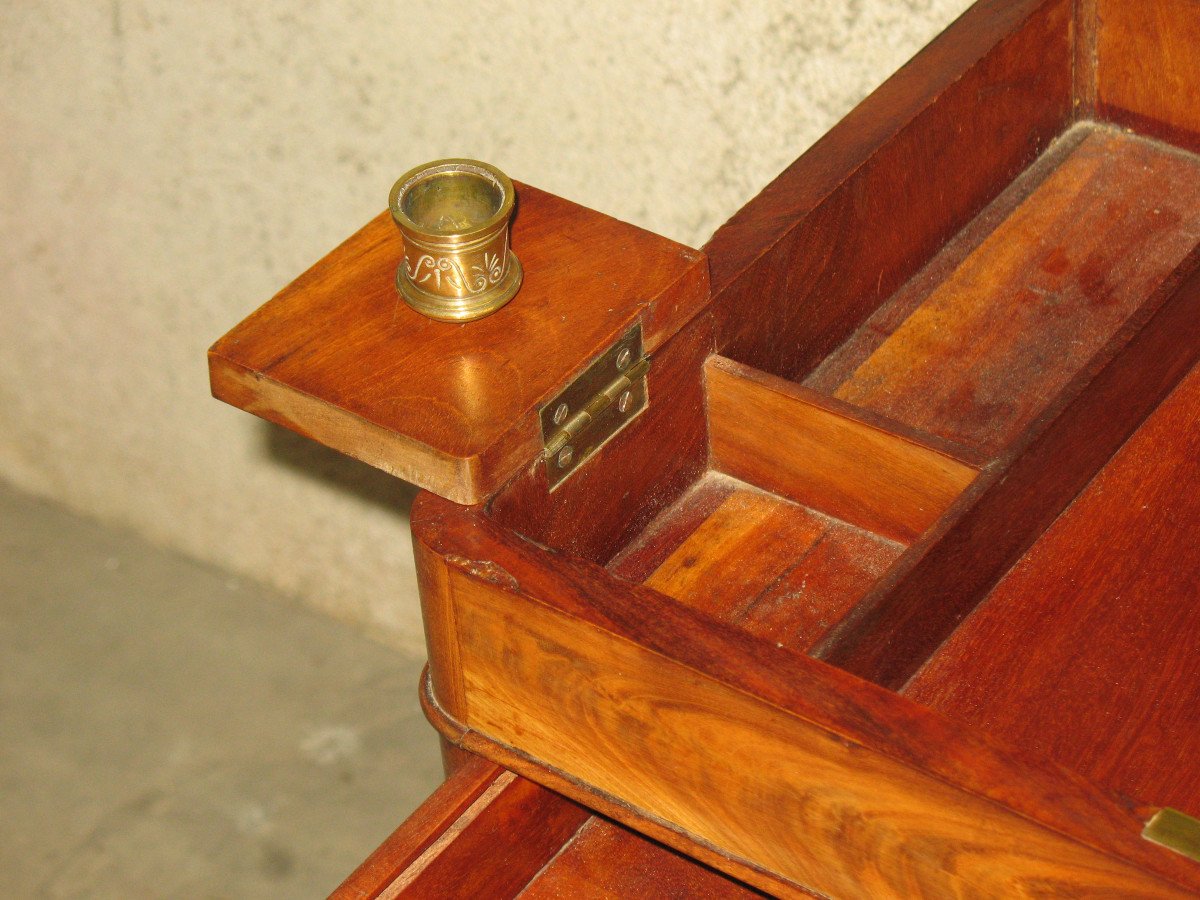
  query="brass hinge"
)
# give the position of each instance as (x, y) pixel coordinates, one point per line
(603, 399)
(1176, 831)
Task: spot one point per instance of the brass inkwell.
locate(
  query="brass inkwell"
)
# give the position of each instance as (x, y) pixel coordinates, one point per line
(454, 216)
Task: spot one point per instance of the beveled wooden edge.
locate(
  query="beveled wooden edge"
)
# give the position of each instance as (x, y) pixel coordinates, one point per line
(1054, 808)
(486, 830)
(325, 423)
(419, 831)
(824, 454)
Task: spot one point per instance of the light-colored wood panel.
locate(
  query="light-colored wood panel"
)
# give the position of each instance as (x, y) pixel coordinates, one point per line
(787, 439)
(737, 552)
(1148, 65)
(768, 787)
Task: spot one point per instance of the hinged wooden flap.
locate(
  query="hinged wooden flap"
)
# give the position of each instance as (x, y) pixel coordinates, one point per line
(453, 408)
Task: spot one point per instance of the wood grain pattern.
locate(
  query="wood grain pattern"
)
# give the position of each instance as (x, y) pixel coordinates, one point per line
(737, 552)
(991, 345)
(486, 832)
(1083, 39)
(638, 559)
(804, 603)
(779, 436)
(561, 650)
(826, 811)
(338, 356)
(1088, 651)
(639, 472)
(848, 223)
(1148, 69)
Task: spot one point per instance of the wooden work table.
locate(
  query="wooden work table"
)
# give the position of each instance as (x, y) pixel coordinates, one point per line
(892, 588)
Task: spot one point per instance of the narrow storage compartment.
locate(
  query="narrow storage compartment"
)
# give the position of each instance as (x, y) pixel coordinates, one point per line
(976, 345)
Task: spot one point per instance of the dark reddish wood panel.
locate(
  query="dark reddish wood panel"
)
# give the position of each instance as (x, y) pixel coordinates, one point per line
(1088, 651)
(420, 830)
(1148, 67)
(846, 225)
(925, 596)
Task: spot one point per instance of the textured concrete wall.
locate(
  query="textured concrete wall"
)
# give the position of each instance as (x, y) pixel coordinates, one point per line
(167, 166)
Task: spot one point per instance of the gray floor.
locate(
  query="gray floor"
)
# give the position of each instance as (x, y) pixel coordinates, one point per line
(167, 730)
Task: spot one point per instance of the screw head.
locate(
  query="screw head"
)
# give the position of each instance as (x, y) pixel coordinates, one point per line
(560, 413)
(565, 455)
(623, 359)
(625, 402)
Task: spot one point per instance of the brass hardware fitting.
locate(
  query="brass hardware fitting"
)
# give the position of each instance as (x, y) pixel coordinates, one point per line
(1176, 831)
(455, 216)
(602, 400)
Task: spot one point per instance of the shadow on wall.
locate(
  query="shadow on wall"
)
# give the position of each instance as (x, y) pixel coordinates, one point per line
(318, 462)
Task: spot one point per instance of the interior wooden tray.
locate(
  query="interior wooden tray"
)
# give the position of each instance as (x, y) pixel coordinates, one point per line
(895, 593)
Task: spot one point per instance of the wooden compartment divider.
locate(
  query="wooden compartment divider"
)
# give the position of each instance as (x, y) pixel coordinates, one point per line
(817, 452)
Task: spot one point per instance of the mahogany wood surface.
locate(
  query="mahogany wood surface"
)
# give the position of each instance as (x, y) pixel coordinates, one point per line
(980, 323)
(1088, 651)
(845, 226)
(1147, 67)
(488, 833)
(339, 357)
(779, 436)
(657, 705)
(990, 346)
(495, 847)
(420, 830)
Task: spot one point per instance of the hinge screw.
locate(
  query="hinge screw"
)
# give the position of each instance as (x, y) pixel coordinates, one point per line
(623, 359)
(565, 455)
(560, 414)
(625, 402)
